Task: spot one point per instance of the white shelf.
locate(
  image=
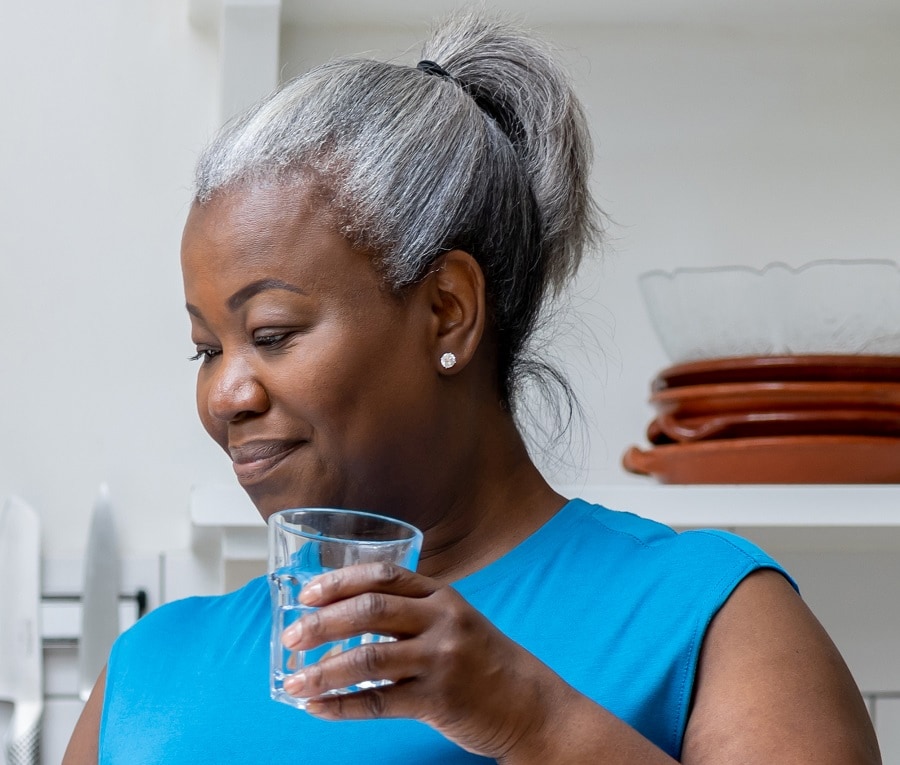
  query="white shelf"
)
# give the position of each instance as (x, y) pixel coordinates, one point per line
(228, 511)
(755, 506)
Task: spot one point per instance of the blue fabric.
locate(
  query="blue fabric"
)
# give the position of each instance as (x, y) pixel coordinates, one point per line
(616, 604)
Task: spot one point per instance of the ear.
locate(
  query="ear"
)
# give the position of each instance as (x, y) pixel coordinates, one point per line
(458, 310)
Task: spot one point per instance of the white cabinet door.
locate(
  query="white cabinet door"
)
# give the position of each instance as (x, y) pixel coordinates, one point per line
(887, 724)
(60, 716)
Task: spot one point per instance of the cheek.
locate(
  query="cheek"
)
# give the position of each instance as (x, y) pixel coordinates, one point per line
(310, 394)
(322, 374)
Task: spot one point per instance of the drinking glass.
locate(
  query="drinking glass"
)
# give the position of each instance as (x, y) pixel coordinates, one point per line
(305, 542)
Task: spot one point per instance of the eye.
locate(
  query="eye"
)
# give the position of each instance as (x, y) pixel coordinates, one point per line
(271, 340)
(205, 355)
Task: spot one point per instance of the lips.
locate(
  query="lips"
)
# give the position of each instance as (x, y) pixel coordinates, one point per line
(254, 460)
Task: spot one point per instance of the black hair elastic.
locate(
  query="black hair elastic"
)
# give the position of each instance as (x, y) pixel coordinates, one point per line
(505, 118)
(429, 67)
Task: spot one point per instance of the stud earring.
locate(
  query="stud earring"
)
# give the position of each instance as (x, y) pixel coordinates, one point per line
(448, 360)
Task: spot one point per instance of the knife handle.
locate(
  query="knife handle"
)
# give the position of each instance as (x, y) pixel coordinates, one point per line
(24, 747)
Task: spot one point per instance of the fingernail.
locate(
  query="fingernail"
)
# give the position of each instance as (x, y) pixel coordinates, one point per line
(295, 683)
(311, 593)
(292, 634)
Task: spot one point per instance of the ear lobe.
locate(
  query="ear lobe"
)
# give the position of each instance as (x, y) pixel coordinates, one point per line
(458, 309)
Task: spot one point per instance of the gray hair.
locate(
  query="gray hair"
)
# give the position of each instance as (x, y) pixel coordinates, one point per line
(413, 167)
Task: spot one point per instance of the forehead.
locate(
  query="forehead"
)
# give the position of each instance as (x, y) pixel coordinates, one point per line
(266, 230)
(261, 215)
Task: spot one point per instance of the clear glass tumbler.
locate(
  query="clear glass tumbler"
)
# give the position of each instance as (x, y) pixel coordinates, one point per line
(305, 542)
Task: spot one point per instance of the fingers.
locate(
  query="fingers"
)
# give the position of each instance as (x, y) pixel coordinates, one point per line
(384, 702)
(374, 612)
(369, 577)
(397, 662)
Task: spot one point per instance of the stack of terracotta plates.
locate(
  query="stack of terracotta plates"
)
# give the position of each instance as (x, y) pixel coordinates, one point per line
(774, 419)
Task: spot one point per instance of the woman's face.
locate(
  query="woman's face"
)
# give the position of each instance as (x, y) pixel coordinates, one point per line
(317, 381)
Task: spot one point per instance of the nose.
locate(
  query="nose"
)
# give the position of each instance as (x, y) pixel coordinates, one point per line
(234, 390)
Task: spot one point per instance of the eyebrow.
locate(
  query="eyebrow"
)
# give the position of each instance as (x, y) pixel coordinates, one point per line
(254, 288)
(245, 293)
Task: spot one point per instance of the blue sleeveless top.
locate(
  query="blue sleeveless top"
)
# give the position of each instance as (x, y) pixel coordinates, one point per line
(616, 604)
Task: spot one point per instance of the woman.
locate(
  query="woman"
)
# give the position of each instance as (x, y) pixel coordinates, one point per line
(366, 258)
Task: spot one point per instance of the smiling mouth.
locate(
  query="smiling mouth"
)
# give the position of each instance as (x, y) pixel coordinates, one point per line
(252, 462)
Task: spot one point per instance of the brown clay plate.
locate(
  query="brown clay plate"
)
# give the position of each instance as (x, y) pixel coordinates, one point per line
(794, 459)
(704, 400)
(802, 422)
(800, 368)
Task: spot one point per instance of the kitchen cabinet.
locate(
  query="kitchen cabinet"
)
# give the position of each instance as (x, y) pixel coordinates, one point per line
(60, 626)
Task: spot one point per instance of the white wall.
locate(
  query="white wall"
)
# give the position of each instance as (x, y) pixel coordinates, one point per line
(105, 104)
(717, 143)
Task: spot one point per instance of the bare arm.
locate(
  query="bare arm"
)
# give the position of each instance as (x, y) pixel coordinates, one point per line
(84, 744)
(772, 687)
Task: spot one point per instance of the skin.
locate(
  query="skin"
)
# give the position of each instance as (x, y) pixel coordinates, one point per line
(326, 389)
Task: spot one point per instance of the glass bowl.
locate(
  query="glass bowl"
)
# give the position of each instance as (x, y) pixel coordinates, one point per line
(822, 307)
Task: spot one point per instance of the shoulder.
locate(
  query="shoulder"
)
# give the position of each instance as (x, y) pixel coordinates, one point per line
(681, 579)
(173, 641)
(186, 614)
(642, 539)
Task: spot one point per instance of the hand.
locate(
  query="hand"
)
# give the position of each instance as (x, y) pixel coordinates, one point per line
(451, 668)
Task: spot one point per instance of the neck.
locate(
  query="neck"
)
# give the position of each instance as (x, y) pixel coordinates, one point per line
(506, 500)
